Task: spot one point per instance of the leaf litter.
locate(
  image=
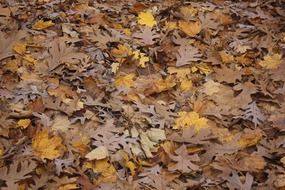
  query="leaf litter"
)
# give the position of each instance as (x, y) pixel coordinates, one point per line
(142, 94)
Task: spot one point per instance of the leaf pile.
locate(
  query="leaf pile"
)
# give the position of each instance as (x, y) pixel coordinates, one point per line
(142, 94)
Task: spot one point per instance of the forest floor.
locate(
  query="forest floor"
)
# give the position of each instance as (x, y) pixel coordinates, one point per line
(147, 95)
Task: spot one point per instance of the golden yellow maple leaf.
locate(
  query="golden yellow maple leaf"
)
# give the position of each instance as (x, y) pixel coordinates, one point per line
(143, 59)
(146, 18)
(190, 119)
(30, 58)
(202, 68)
(47, 147)
(126, 81)
(132, 167)
(190, 28)
(24, 123)
(41, 24)
(271, 61)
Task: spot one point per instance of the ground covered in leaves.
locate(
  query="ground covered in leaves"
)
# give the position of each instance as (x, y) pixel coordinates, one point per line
(142, 95)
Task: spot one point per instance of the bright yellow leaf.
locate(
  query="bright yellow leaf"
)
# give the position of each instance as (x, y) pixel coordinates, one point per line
(24, 123)
(132, 167)
(126, 81)
(190, 119)
(146, 18)
(143, 59)
(186, 85)
(190, 28)
(271, 61)
(47, 147)
(20, 48)
(41, 25)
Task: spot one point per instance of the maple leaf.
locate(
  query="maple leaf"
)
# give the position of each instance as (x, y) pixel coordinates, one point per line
(190, 119)
(186, 54)
(47, 147)
(271, 61)
(184, 161)
(146, 18)
(24, 123)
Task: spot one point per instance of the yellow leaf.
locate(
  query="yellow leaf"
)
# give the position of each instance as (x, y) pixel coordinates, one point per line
(24, 123)
(98, 153)
(146, 18)
(190, 119)
(204, 69)
(121, 52)
(107, 170)
(141, 57)
(271, 61)
(45, 147)
(170, 25)
(127, 31)
(126, 81)
(190, 28)
(226, 57)
(132, 167)
(20, 48)
(186, 85)
(40, 24)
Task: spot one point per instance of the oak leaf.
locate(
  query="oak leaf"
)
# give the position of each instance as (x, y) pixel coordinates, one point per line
(191, 28)
(41, 24)
(271, 61)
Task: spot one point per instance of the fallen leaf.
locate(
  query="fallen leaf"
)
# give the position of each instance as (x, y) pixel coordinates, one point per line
(190, 119)
(41, 24)
(191, 28)
(24, 123)
(271, 61)
(126, 81)
(98, 153)
(47, 147)
(20, 48)
(146, 18)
